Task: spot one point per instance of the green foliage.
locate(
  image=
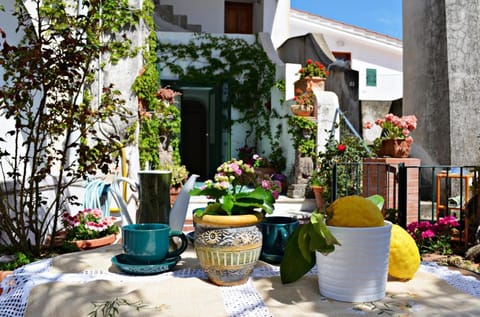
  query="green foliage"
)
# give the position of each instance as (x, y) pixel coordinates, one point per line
(344, 155)
(179, 173)
(276, 158)
(20, 260)
(299, 257)
(245, 67)
(45, 78)
(162, 128)
(228, 193)
(304, 134)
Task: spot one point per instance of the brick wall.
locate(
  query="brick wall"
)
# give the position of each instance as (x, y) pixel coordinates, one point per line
(379, 177)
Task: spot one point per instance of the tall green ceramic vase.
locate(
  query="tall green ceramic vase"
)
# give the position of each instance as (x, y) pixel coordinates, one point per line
(154, 196)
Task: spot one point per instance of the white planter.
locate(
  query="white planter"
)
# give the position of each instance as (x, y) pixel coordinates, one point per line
(356, 271)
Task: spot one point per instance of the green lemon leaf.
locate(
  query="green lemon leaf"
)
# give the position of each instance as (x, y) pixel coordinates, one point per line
(321, 230)
(304, 241)
(377, 200)
(294, 265)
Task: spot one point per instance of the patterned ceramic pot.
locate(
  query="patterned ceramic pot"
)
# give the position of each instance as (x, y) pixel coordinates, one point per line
(228, 247)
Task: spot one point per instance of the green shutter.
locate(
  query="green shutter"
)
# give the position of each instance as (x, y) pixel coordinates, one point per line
(371, 77)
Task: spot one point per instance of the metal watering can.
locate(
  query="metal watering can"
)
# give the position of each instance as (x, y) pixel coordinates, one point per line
(154, 198)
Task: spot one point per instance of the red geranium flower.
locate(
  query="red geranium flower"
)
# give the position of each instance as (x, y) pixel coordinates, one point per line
(341, 147)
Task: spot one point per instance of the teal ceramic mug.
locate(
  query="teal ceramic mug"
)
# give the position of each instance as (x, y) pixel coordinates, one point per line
(275, 231)
(149, 243)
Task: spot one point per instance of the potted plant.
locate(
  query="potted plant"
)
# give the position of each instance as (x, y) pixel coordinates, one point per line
(313, 73)
(356, 271)
(88, 229)
(318, 181)
(304, 104)
(227, 239)
(395, 139)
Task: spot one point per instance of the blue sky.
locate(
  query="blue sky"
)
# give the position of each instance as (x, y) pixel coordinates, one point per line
(382, 16)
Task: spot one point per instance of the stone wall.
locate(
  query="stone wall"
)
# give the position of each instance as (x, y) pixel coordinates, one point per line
(441, 76)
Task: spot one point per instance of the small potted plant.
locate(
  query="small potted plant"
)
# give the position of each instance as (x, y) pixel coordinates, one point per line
(312, 74)
(304, 104)
(227, 228)
(89, 229)
(318, 181)
(395, 139)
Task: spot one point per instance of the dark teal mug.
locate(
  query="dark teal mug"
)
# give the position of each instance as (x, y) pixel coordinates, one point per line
(149, 243)
(275, 231)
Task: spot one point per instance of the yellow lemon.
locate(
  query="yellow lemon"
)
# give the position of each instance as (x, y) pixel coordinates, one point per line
(354, 211)
(404, 255)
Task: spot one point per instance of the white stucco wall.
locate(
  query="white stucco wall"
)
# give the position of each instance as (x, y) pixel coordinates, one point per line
(368, 50)
(276, 17)
(209, 13)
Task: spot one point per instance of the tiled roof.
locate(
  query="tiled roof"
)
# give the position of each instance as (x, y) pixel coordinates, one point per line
(348, 28)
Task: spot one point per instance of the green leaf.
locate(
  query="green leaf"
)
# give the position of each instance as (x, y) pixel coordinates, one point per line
(321, 229)
(377, 200)
(304, 241)
(294, 265)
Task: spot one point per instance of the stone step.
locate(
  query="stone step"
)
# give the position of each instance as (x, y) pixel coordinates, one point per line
(166, 13)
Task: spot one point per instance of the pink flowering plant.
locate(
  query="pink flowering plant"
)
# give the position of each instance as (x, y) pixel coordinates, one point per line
(434, 237)
(88, 224)
(231, 193)
(394, 127)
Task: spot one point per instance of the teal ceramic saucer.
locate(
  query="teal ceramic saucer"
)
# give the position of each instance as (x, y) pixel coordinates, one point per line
(128, 266)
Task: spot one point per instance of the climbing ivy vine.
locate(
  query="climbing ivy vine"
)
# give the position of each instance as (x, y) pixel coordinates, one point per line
(161, 128)
(218, 60)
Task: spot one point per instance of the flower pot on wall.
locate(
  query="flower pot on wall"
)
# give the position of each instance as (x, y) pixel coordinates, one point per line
(395, 148)
(301, 111)
(228, 247)
(306, 84)
(317, 192)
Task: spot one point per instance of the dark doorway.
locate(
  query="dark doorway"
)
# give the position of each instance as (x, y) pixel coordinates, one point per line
(194, 137)
(203, 140)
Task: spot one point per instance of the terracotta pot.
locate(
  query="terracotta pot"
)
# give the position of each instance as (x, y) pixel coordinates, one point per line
(4, 274)
(317, 192)
(395, 148)
(301, 112)
(174, 191)
(94, 243)
(228, 247)
(306, 84)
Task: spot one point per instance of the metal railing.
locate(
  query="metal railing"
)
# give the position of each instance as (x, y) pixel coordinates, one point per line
(439, 190)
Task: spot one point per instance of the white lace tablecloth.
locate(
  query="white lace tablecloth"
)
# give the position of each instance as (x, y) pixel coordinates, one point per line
(239, 301)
